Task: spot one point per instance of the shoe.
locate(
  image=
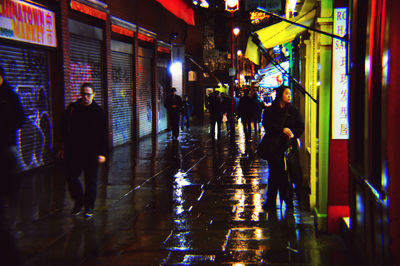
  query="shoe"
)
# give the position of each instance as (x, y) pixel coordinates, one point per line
(88, 213)
(76, 210)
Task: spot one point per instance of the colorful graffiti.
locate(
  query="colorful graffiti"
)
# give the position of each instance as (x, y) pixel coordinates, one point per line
(122, 104)
(34, 137)
(27, 72)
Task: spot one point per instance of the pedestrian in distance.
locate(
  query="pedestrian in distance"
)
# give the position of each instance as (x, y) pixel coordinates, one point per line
(258, 108)
(12, 118)
(187, 109)
(85, 146)
(226, 102)
(246, 113)
(284, 123)
(214, 104)
(173, 104)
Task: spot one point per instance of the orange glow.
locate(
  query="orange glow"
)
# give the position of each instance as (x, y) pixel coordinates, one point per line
(122, 31)
(163, 50)
(88, 10)
(145, 38)
(257, 17)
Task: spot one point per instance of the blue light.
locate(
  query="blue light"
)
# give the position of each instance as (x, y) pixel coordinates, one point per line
(175, 68)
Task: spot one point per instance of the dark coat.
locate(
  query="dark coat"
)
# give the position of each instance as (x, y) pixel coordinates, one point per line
(276, 118)
(187, 107)
(172, 100)
(12, 115)
(215, 107)
(85, 129)
(246, 108)
(258, 107)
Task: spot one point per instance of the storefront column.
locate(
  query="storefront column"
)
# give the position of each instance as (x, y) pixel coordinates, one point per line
(325, 22)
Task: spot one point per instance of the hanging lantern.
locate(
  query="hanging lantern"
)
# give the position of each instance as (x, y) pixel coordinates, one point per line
(231, 5)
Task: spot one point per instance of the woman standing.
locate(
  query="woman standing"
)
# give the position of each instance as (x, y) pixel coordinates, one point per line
(284, 123)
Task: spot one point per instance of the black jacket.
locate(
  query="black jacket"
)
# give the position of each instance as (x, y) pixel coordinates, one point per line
(174, 100)
(85, 129)
(276, 118)
(12, 115)
(246, 108)
(214, 105)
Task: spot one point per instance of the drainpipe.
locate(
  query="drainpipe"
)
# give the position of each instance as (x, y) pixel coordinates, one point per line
(325, 22)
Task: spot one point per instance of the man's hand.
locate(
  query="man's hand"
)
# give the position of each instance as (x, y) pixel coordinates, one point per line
(101, 159)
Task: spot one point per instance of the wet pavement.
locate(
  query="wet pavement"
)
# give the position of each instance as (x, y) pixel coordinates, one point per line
(171, 202)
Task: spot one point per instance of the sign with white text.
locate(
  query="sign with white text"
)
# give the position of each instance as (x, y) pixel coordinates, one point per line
(25, 22)
(340, 82)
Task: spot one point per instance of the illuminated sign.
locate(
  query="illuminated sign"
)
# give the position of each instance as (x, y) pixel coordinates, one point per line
(290, 8)
(272, 77)
(88, 10)
(340, 84)
(256, 17)
(25, 22)
(122, 30)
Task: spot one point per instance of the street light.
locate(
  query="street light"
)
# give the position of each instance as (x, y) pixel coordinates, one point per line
(236, 32)
(232, 6)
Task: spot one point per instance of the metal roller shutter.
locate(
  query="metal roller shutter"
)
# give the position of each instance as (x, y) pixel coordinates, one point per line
(86, 66)
(144, 91)
(27, 72)
(163, 83)
(121, 109)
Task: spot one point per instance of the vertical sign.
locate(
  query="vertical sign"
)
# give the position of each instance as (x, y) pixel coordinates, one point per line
(340, 83)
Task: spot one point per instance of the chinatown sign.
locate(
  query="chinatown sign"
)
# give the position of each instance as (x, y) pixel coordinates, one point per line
(340, 83)
(25, 22)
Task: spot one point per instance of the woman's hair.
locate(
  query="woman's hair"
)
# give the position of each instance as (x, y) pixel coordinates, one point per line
(279, 92)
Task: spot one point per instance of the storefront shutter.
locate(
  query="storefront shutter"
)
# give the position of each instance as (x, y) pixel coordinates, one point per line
(85, 47)
(144, 91)
(86, 66)
(121, 106)
(163, 83)
(27, 73)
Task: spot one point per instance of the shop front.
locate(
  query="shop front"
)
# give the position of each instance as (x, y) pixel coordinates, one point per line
(163, 82)
(121, 100)
(27, 35)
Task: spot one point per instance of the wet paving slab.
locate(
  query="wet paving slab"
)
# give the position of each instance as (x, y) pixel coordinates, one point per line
(165, 202)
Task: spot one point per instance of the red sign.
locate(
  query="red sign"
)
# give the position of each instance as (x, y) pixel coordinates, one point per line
(28, 23)
(88, 10)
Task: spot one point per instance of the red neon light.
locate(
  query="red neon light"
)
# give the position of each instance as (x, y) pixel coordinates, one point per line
(145, 38)
(163, 50)
(180, 9)
(88, 10)
(122, 31)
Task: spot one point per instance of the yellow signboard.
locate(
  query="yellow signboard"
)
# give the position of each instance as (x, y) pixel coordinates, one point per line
(25, 22)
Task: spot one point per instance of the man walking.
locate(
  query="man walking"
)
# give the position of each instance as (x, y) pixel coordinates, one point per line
(173, 104)
(85, 145)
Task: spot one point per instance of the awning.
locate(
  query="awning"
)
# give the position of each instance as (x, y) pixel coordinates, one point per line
(281, 32)
(180, 8)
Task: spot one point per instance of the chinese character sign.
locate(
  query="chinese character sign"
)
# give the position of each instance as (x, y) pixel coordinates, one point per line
(25, 22)
(340, 82)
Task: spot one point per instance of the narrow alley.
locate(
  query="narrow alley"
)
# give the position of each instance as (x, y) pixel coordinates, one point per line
(172, 202)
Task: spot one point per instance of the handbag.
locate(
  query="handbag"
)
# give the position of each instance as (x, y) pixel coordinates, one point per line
(270, 144)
